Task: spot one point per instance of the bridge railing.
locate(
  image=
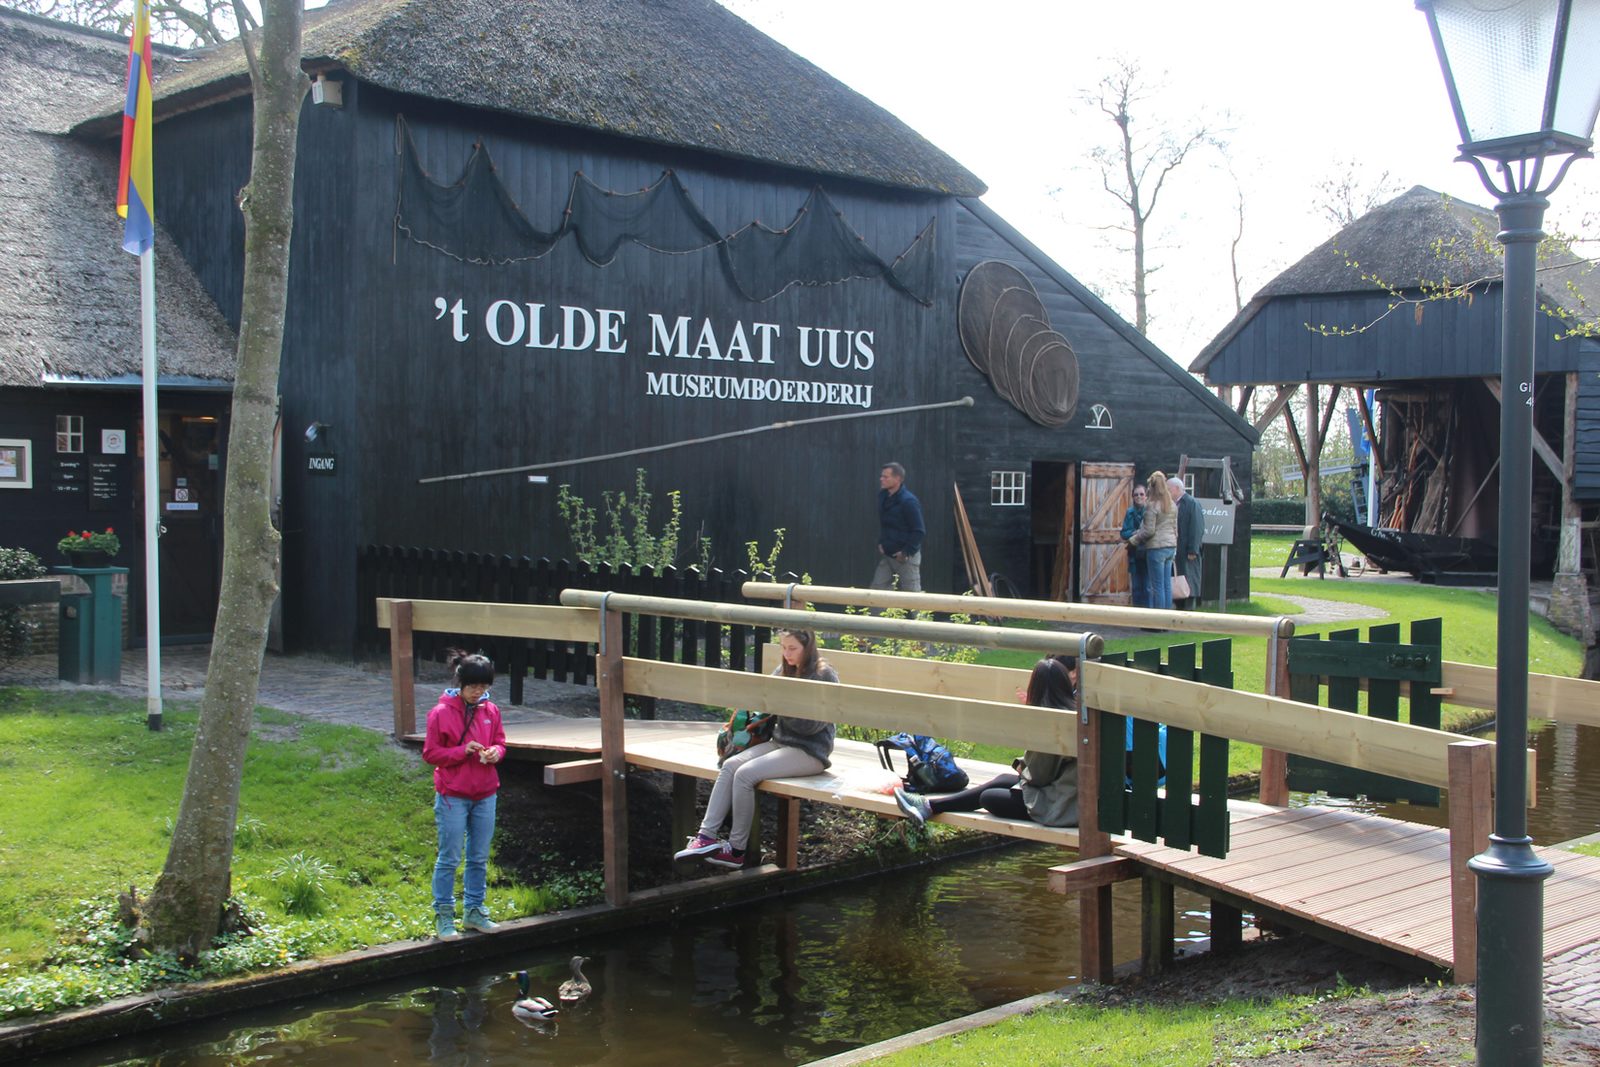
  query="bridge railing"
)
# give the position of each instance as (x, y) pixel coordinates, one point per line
(1107, 692)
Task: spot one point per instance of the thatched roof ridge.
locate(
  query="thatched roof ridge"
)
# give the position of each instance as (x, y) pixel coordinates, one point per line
(1398, 242)
(685, 73)
(69, 294)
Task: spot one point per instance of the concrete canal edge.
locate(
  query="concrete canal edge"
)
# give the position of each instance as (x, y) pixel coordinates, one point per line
(127, 1016)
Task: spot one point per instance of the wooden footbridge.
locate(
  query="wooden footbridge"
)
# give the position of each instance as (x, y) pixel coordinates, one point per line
(1393, 887)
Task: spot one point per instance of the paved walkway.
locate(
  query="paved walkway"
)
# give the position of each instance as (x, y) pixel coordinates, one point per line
(328, 691)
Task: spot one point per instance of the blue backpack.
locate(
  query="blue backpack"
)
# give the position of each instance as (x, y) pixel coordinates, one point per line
(930, 768)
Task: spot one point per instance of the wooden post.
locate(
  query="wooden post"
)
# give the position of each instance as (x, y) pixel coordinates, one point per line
(1275, 762)
(685, 807)
(1096, 959)
(1227, 927)
(788, 833)
(1155, 925)
(401, 669)
(1470, 764)
(614, 783)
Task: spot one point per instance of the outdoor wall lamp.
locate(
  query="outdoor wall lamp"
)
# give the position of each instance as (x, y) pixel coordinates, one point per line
(317, 431)
(1524, 83)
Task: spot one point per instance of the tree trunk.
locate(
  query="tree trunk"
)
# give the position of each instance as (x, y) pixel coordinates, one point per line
(185, 906)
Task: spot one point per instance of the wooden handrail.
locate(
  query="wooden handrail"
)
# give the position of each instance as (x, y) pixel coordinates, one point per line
(496, 620)
(1043, 641)
(1550, 696)
(1415, 753)
(1008, 724)
(1043, 610)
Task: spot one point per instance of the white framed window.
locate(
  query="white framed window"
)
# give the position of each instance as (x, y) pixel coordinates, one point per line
(69, 433)
(1008, 489)
(1099, 418)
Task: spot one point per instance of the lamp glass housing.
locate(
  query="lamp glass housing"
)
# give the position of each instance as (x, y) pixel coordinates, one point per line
(1520, 71)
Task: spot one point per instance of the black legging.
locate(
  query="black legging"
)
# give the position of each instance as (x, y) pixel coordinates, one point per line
(1001, 796)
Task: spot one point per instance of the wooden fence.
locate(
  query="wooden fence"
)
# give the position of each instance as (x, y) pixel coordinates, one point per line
(389, 572)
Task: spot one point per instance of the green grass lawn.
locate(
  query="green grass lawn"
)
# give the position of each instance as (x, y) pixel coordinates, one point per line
(335, 842)
(1085, 1035)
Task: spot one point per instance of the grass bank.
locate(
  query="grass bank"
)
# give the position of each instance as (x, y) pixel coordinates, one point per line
(334, 848)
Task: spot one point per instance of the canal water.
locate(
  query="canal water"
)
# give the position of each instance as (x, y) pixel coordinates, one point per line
(1567, 769)
(785, 982)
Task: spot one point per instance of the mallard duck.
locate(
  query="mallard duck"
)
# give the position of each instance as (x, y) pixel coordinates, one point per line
(530, 1008)
(577, 987)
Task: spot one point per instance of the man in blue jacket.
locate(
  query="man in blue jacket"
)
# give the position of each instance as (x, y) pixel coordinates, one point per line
(900, 532)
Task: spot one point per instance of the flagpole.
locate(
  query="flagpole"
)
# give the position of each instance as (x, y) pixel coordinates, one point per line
(152, 493)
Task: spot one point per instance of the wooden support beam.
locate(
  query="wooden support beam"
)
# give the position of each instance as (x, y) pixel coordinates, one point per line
(583, 770)
(1155, 925)
(1471, 812)
(1245, 396)
(1096, 959)
(1091, 874)
(402, 678)
(1299, 446)
(1274, 789)
(1569, 551)
(1540, 446)
(1279, 402)
(788, 833)
(1364, 406)
(614, 780)
(685, 807)
(1227, 927)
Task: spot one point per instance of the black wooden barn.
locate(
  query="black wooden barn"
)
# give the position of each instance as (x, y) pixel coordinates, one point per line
(1431, 353)
(536, 233)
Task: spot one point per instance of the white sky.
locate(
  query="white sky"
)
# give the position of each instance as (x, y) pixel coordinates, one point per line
(1303, 88)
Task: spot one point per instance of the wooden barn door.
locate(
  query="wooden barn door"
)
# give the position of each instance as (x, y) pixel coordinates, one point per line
(1107, 491)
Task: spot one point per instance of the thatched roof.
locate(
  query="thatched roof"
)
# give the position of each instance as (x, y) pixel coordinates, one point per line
(69, 294)
(686, 73)
(1396, 242)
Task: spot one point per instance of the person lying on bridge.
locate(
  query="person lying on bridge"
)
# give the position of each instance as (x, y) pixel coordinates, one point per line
(1045, 785)
(798, 747)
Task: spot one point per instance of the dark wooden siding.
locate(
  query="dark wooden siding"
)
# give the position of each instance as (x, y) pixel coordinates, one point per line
(1451, 339)
(1586, 468)
(428, 406)
(1156, 418)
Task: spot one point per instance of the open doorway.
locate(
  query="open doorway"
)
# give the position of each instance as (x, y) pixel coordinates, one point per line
(1076, 550)
(190, 499)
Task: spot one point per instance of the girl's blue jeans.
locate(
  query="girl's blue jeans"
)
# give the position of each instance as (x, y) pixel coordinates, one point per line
(1158, 564)
(463, 825)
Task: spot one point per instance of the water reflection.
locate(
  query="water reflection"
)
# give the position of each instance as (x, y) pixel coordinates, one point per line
(780, 982)
(1567, 766)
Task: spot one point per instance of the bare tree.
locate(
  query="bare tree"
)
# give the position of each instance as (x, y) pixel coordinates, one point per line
(1349, 193)
(181, 22)
(185, 906)
(1135, 169)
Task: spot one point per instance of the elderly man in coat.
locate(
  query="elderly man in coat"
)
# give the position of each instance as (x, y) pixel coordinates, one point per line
(1191, 532)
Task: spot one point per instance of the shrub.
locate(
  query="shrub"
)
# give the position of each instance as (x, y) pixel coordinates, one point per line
(16, 632)
(1278, 511)
(302, 884)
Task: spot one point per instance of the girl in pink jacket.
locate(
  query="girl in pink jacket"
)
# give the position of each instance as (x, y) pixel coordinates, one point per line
(464, 743)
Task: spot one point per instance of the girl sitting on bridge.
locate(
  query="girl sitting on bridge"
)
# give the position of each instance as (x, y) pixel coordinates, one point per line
(1045, 785)
(798, 747)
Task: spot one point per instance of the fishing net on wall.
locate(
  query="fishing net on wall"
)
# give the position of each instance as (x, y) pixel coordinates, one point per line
(475, 219)
(1005, 331)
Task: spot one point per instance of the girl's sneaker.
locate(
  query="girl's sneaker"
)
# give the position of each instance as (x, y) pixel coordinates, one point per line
(917, 808)
(726, 856)
(698, 845)
(478, 919)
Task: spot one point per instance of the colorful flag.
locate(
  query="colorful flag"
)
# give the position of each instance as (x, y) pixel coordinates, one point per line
(135, 187)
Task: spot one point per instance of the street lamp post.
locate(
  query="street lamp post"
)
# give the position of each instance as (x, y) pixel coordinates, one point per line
(1524, 82)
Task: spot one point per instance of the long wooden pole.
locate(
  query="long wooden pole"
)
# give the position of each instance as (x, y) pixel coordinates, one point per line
(1043, 610)
(1044, 641)
(613, 758)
